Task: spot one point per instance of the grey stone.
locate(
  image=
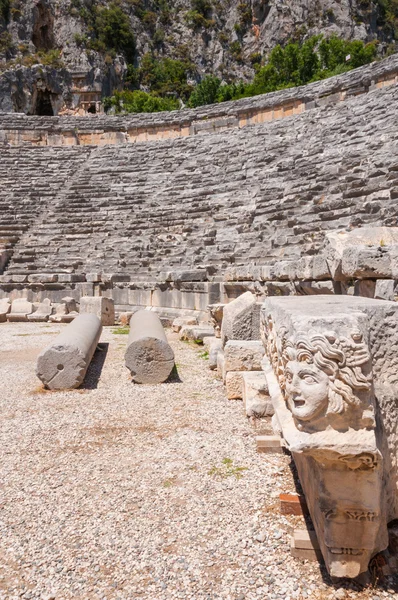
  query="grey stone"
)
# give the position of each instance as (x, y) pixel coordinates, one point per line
(148, 356)
(103, 307)
(241, 319)
(64, 363)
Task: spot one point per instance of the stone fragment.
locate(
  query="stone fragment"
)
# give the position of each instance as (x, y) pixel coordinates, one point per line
(20, 309)
(195, 333)
(385, 289)
(103, 307)
(43, 312)
(269, 444)
(293, 504)
(332, 366)
(148, 356)
(304, 544)
(124, 318)
(364, 253)
(64, 363)
(221, 365)
(234, 385)
(243, 355)
(5, 307)
(255, 395)
(365, 288)
(310, 288)
(179, 322)
(216, 314)
(59, 314)
(241, 319)
(214, 348)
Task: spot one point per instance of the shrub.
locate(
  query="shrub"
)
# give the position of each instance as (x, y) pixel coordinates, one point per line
(5, 9)
(113, 31)
(165, 76)
(205, 92)
(139, 102)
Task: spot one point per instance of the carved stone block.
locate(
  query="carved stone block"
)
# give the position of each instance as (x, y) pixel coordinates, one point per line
(332, 377)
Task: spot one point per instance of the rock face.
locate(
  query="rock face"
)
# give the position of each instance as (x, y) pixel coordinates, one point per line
(224, 44)
(331, 376)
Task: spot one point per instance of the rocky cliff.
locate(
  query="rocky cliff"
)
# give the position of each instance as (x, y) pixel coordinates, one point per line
(50, 49)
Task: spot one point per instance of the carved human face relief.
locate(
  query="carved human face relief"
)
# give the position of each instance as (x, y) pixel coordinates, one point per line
(307, 389)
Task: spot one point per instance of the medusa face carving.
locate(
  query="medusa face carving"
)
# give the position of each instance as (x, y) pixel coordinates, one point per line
(325, 375)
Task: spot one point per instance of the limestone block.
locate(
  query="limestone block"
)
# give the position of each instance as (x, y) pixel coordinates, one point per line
(149, 356)
(241, 319)
(179, 322)
(385, 289)
(194, 333)
(332, 365)
(70, 304)
(255, 395)
(60, 312)
(310, 288)
(242, 355)
(364, 253)
(216, 314)
(103, 307)
(214, 347)
(20, 309)
(124, 318)
(43, 312)
(5, 307)
(93, 277)
(234, 385)
(221, 365)
(64, 363)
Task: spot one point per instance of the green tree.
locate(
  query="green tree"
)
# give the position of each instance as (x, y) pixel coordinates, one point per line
(139, 102)
(205, 92)
(114, 31)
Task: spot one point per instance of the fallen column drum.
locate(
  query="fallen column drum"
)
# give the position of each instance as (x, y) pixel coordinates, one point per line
(149, 356)
(64, 363)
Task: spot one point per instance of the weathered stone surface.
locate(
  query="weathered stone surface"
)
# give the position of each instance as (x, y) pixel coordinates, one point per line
(64, 363)
(241, 319)
(195, 332)
(179, 322)
(43, 312)
(234, 385)
(5, 307)
(364, 253)
(221, 365)
(242, 355)
(216, 314)
(103, 307)
(148, 356)
(20, 309)
(332, 367)
(214, 348)
(385, 289)
(255, 395)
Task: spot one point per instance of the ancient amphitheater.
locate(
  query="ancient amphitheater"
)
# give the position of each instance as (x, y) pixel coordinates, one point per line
(265, 229)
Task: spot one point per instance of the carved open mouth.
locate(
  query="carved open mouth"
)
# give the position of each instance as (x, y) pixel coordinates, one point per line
(298, 402)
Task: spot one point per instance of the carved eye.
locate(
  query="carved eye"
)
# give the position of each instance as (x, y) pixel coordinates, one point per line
(288, 377)
(308, 378)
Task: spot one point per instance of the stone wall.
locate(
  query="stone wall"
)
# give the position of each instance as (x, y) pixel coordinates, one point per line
(99, 130)
(180, 223)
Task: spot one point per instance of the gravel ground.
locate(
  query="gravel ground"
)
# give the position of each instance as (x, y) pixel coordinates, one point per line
(118, 491)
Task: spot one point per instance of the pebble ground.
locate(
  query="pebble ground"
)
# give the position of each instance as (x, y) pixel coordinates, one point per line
(119, 491)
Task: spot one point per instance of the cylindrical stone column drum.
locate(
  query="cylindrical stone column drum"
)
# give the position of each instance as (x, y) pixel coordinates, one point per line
(64, 363)
(149, 356)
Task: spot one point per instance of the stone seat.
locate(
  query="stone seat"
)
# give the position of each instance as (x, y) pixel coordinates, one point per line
(20, 309)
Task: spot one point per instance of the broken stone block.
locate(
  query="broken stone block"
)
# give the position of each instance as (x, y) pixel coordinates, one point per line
(332, 366)
(234, 385)
(5, 307)
(103, 307)
(310, 288)
(20, 309)
(216, 314)
(385, 289)
(241, 319)
(243, 355)
(60, 312)
(269, 444)
(179, 322)
(221, 365)
(364, 253)
(195, 333)
(214, 346)
(124, 318)
(43, 312)
(255, 395)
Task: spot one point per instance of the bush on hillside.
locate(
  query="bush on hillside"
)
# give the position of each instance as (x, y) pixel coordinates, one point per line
(139, 102)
